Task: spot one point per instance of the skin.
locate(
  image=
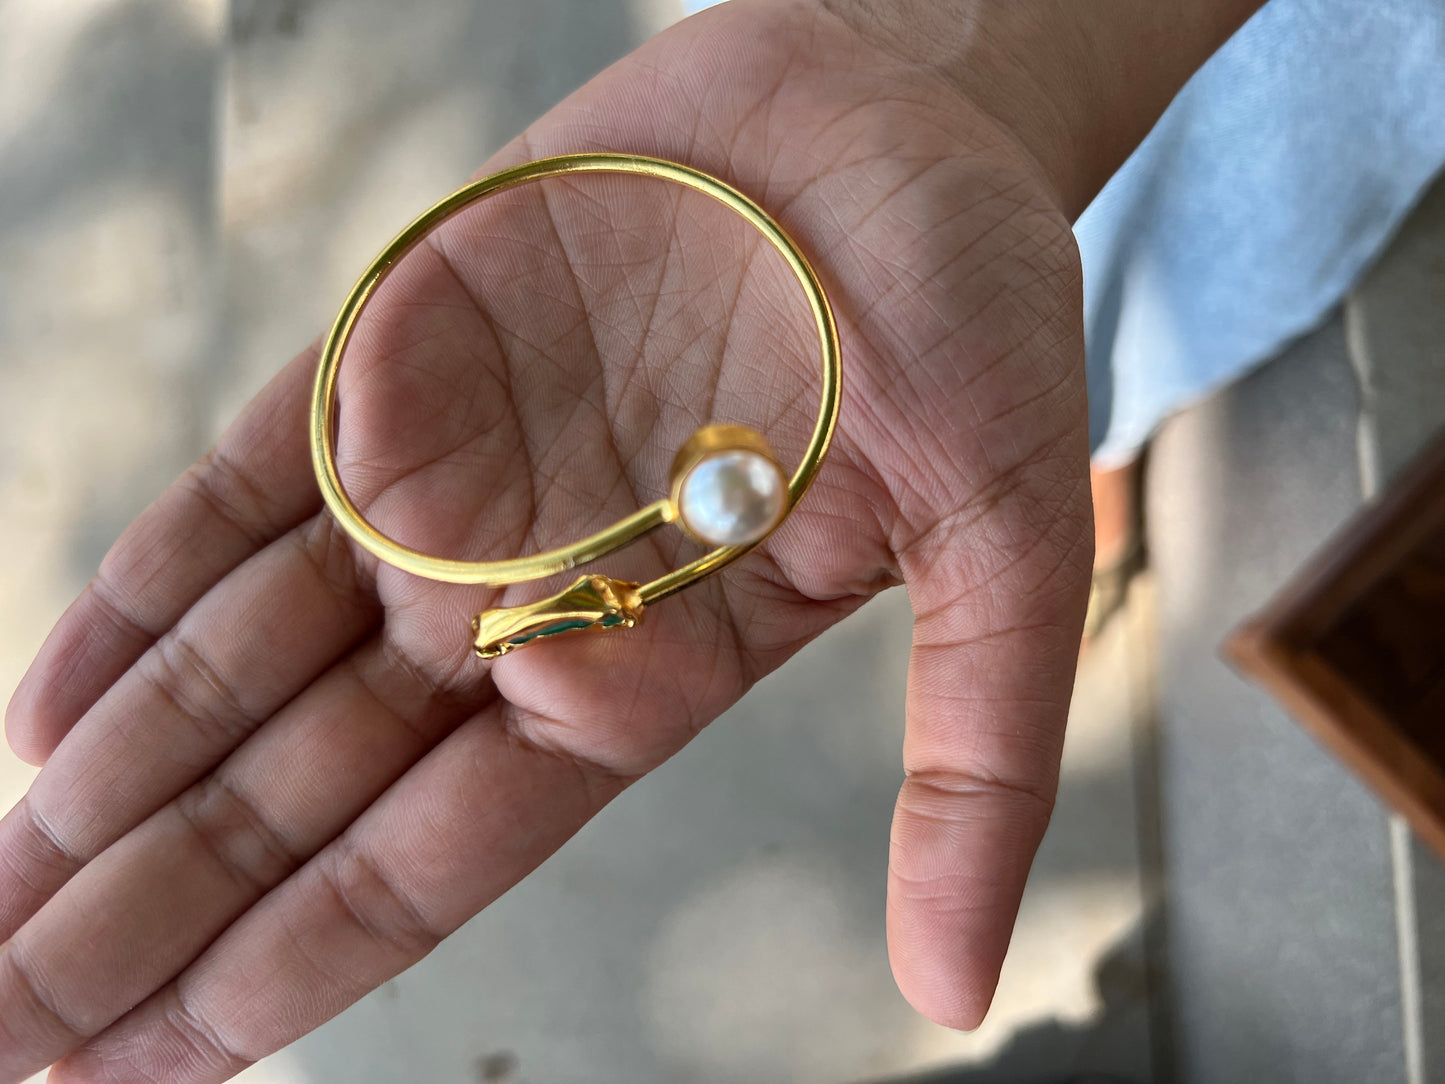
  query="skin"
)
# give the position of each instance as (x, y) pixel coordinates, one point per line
(274, 775)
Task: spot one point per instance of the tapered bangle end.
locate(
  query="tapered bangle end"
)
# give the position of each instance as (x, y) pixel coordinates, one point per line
(592, 602)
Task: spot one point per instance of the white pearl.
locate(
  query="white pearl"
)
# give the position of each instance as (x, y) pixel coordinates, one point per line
(732, 498)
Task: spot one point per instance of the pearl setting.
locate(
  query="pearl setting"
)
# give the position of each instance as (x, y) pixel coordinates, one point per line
(728, 489)
(732, 498)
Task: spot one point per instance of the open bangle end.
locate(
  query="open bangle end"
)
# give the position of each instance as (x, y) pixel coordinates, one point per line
(592, 602)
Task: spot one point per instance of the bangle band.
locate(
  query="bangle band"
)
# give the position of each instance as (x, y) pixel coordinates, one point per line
(727, 487)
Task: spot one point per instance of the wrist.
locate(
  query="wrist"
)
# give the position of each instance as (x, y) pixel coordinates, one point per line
(1077, 85)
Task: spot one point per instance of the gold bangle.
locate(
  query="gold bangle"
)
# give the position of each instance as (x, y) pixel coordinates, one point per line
(716, 453)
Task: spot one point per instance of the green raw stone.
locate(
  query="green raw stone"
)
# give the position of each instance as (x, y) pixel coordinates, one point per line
(571, 625)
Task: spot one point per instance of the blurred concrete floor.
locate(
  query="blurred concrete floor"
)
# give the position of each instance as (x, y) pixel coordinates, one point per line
(1305, 927)
(185, 193)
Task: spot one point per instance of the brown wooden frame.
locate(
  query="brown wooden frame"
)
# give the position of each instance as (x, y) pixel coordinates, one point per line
(1293, 646)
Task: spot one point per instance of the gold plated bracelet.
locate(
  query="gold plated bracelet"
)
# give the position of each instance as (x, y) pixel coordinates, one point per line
(727, 489)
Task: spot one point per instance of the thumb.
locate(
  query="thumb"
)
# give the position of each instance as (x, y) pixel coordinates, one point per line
(998, 609)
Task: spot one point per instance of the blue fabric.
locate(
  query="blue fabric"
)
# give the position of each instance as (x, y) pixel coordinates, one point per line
(1268, 186)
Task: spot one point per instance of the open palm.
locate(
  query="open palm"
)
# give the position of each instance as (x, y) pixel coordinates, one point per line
(277, 775)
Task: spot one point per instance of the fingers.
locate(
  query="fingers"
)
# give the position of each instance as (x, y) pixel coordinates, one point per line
(242, 652)
(468, 821)
(252, 487)
(134, 916)
(139, 912)
(477, 814)
(995, 644)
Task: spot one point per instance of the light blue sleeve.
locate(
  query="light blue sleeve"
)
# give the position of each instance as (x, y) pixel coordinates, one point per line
(1268, 187)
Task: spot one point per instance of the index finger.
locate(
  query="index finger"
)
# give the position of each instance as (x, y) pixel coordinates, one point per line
(251, 488)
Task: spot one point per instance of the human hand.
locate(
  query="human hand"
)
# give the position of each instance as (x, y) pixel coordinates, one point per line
(276, 775)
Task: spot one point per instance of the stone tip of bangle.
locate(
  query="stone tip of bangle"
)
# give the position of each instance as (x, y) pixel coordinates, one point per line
(727, 486)
(591, 602)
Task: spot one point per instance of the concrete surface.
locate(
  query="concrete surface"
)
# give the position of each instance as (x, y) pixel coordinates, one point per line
(1282, 947)
(1306, 931)
(1395, 320)
(1395, 326)
(107, 283)
(185, 194)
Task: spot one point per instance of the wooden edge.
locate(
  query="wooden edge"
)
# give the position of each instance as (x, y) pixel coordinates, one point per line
(1362, 550)
(1390, 764)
